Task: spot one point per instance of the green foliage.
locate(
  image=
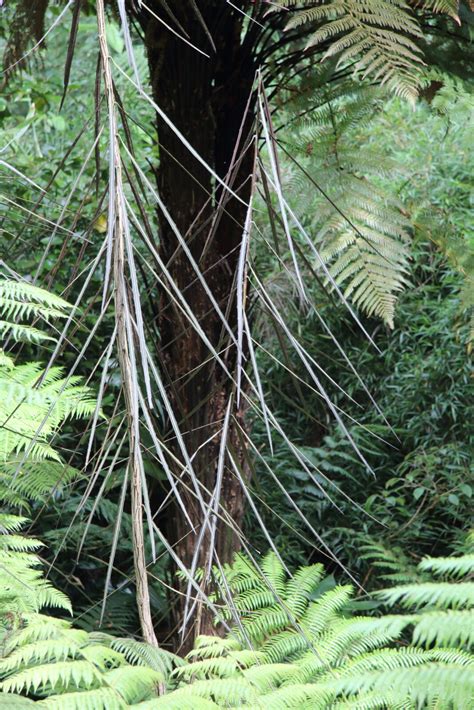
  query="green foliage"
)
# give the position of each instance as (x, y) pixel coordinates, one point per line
(20, 299)
(421, 495)
(361, 230)
(296, 644)
(23, 587)
(33, 404)
(376, 38)
(47, 659)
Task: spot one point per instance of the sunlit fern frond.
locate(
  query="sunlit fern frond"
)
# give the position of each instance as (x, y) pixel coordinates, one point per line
(23, 587)
(438, 595)
(21, 300)
(24, 300)
(324, 658)
(47, 659)
(445, 628)
(142, 654)
(449, 685)
(448, 566)
(32, 406)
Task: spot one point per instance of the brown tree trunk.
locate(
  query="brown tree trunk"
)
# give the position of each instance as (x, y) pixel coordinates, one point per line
(206, 99)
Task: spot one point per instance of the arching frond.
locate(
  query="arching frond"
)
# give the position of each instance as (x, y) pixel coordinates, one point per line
(381, 36)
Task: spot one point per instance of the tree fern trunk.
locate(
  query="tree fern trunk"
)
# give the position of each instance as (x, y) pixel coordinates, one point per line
(206, 99)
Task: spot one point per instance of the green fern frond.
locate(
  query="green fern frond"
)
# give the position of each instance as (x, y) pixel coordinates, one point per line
(32, 406)
(448, 566)
(449, 685)
(65, 674)
(57, 649)
(97, 699)
(20, 299)
(10, 701)
(380, 35)
(445, 628)
(11, 523)
(221, 667)
(223, 691)
(23, 586)
(300, 587)
(179, 701)
(362, 233)
(21, 333)
(213, 646)
(270, 676)
(323, 610)
(139, 653)
(133, 683)
(440, 595)
(30, 481)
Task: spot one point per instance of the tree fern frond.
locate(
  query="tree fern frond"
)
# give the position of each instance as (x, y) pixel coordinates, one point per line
(96, 699)
(57, 649)
(139, 653)
(179, 701)
(20, 299)
(443, 7)
(448, 566)
(381, 34)
(10, 701)
(213, 646)
(79, 674)
(450, 685)
(26, 294)
(22, 583)
(222, 691)
(445, 628)
(133, 683)
(270, 676)
(300, 586)
(440, 595)
(34, 481)
(21, 333)
(32, 406)
(220, 667)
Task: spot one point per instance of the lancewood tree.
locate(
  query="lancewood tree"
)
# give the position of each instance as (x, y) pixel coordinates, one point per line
(219, 72)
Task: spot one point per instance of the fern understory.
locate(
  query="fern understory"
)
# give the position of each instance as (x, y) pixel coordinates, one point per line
(294, 644)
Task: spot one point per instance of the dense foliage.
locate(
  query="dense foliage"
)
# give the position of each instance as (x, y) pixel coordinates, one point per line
(321, 418)
(296, 642)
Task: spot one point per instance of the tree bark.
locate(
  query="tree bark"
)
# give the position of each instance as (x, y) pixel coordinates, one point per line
(206, 98)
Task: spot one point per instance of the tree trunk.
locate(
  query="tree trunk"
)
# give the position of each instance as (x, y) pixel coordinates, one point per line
(206, 98)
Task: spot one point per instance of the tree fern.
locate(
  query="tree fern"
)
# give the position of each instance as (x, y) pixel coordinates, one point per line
(379, 38)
